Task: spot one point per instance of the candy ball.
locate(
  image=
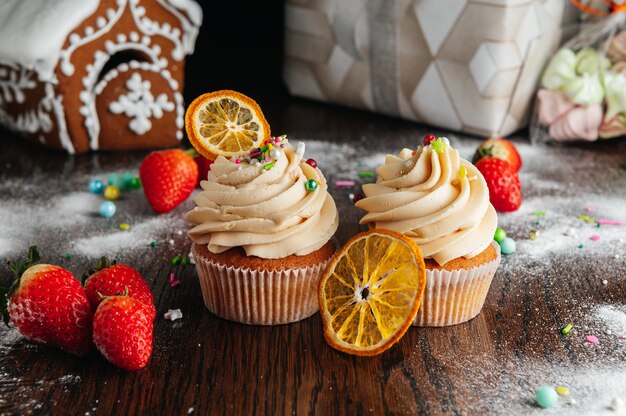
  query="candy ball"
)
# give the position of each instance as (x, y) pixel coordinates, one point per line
(428, 138)
(107, 209)
(135, 183)
(507, 246)
(312, 163)
(111, 192)
(96, 186)
(546, 397)
(275, 153)
(126, 180)
(499, 235)
(311, 185)
(115, 180)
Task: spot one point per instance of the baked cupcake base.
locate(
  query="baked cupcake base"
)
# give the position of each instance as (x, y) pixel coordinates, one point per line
(456, 291)
(258, 291)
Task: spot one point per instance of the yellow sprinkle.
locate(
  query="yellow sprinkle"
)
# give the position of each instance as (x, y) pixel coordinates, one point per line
(124, 226)
(585, 218)
(462, 172)
(562, 391)
(269, 147)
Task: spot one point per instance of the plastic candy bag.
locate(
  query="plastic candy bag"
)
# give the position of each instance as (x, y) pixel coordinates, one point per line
(582, 93)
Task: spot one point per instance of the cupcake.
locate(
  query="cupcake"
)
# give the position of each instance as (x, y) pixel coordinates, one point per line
(262, 235)
(442, 202)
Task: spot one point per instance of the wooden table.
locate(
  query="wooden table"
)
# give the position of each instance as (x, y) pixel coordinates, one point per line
(204, 365)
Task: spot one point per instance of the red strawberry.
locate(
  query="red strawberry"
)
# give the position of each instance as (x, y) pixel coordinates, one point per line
(122, 332)
(505, 191)
(500, 148)
(48, 305)
(168, 178)
(204, 166)
(110, 280)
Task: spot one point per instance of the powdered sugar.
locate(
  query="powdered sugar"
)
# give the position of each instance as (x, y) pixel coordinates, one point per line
(24, 222)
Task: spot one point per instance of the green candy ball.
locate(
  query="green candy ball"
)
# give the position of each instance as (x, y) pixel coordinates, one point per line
(499, 235)
(546, 397)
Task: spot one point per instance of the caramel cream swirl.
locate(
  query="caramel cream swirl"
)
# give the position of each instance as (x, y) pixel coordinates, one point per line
(436, 198)
(268, 212)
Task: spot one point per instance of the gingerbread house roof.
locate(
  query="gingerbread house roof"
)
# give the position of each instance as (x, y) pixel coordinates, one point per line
(33, 32)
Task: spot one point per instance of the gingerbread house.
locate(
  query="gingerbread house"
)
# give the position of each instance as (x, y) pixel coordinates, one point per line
(95, 74)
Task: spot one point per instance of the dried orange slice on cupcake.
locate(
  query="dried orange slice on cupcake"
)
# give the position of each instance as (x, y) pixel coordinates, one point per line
(371, 291)
(225, 123)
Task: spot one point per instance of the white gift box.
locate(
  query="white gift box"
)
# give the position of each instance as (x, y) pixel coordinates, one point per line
(465, 65)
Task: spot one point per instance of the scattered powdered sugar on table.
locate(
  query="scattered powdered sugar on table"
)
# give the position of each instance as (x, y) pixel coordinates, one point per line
(24, 222)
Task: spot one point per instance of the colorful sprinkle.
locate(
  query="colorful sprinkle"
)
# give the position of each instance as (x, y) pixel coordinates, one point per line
(623, 336)
(538, 213)
(173, 314)
(269, 166)
(68, 256)
(438, 145)
(107, 209)
(546, 397)
(111, 192)
(586, 218)
(428, 139)
(152, 244)
(499, 235)
(537, 223)
(594, 237)
(184, 261)
(175, 283)
(562, 391)
(366, 174)
(462, 172)
(566, 329)
(124, 226)
(357, 197)
(275, 153)
(172, 277)
(344, 184)
(533, 234)
(176, 260)
(311, 185)
(581, 245)
(605, 221)
(592, 339)
(96, 186)
(312, 163)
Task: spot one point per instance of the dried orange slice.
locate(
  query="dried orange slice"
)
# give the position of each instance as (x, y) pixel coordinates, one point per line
(225, 123)
(371, 291)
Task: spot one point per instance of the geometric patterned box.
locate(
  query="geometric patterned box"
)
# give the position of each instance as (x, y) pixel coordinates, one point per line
(464, 65)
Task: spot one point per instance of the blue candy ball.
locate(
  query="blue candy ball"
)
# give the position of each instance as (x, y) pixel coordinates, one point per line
(546, 397)
(96, 186)
(115, 180)
(127, 179)
(507, 246)
(107, 209)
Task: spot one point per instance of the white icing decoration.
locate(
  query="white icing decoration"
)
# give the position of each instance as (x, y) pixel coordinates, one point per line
(139, 104)
(57, 106)
(13, 82)
(33, 32)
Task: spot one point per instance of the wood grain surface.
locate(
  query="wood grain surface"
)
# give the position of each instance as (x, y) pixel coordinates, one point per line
(205, 365)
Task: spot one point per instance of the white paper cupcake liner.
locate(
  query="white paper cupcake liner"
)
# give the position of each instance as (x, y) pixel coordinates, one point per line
(259, 297)
(454, 297)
